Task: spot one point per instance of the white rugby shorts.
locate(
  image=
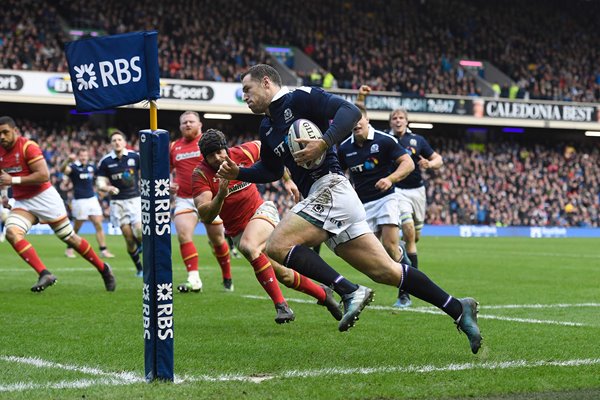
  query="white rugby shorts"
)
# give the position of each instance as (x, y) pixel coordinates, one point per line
(383, 211)
(267, 211)
(126, 212)
(333, 205)
(412, 206)
(47, 206)
(81, 209)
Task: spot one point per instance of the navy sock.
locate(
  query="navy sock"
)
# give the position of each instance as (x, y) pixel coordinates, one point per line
(419, 285)
(135, 256)
(310, 264)
(414, 260)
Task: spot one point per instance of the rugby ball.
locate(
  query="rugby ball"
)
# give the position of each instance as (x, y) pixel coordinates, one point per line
(304, 129)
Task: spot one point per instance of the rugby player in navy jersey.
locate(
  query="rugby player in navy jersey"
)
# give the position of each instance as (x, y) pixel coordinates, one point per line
(413, 200)
(376, 162)
(119, 175)
(85, 204)
(330, 211)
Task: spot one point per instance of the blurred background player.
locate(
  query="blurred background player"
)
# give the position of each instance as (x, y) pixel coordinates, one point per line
(24, 168)
(249, 220)
(85, 204)
(119, 176)
(413, 200)
(376, 162)
(184, 156)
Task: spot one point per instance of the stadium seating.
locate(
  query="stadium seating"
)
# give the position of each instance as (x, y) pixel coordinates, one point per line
(503, 183)
(511, 184)
(405, 46)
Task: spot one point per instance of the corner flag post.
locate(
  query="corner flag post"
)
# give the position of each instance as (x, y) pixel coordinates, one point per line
(158, 274)
(113, 71)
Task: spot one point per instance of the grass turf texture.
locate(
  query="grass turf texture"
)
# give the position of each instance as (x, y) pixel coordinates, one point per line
(227, 345)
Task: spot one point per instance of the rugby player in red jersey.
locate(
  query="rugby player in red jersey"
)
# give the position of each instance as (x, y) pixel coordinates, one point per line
(249, 220)
(24, 168)
(184, 156)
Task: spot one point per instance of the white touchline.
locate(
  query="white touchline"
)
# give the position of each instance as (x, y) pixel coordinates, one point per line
(38, 362)
(560, 305)
(393, 369)
(117, 378)
(77, 384)
(433, 310)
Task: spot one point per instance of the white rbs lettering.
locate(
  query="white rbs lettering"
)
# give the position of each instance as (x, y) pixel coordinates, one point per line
(120, 70)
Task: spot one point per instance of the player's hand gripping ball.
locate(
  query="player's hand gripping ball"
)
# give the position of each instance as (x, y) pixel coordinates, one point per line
(304, 129)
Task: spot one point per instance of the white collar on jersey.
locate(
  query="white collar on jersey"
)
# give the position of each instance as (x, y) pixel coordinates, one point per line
(282, 92)
(114, 155)
(370, 135)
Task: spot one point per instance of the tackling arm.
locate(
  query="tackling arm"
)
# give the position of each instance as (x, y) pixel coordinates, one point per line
(208, 206)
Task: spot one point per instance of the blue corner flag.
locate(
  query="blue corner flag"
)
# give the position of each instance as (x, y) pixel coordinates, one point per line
(112, 71)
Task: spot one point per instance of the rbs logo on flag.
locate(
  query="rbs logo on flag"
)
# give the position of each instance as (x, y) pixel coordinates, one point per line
(86, 74)
(112, 71)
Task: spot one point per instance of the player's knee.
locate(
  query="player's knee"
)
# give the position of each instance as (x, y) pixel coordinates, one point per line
(276, 250)
(63, 229)
(215, 234)
(13, 235)
(248, 249)
(389, 274)
(17, 227)
(183, 237)
(392, 250)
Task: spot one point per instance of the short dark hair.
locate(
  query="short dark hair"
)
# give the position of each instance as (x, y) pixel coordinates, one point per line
(362, 109)
(7, 121)
(258, 71)
(116, 132)
(212, 140)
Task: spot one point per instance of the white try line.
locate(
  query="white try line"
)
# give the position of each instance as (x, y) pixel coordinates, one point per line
(433, 310)
(419, 369)
(127, 378)
(104, 378)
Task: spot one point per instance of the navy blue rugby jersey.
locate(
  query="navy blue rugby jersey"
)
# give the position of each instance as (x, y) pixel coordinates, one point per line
(375, 159)
(82, 177)
(315, 105)
(123, 173)
(415, 146)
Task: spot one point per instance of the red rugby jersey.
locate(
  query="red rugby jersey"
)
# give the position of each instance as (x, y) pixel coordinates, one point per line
(184, 156)
(243, 198)
(17, 161)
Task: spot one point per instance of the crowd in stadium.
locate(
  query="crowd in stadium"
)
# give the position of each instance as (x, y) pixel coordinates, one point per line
(501, 183)
(408, 46)
(507, 184)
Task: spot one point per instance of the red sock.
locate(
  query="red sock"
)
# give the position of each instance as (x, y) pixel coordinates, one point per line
(189, 255)
(222, 254)
(266, 276)
(305, 285)
(28, 253)
(86, 251)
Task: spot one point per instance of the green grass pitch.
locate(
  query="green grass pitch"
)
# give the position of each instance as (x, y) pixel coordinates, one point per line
(539, 316)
